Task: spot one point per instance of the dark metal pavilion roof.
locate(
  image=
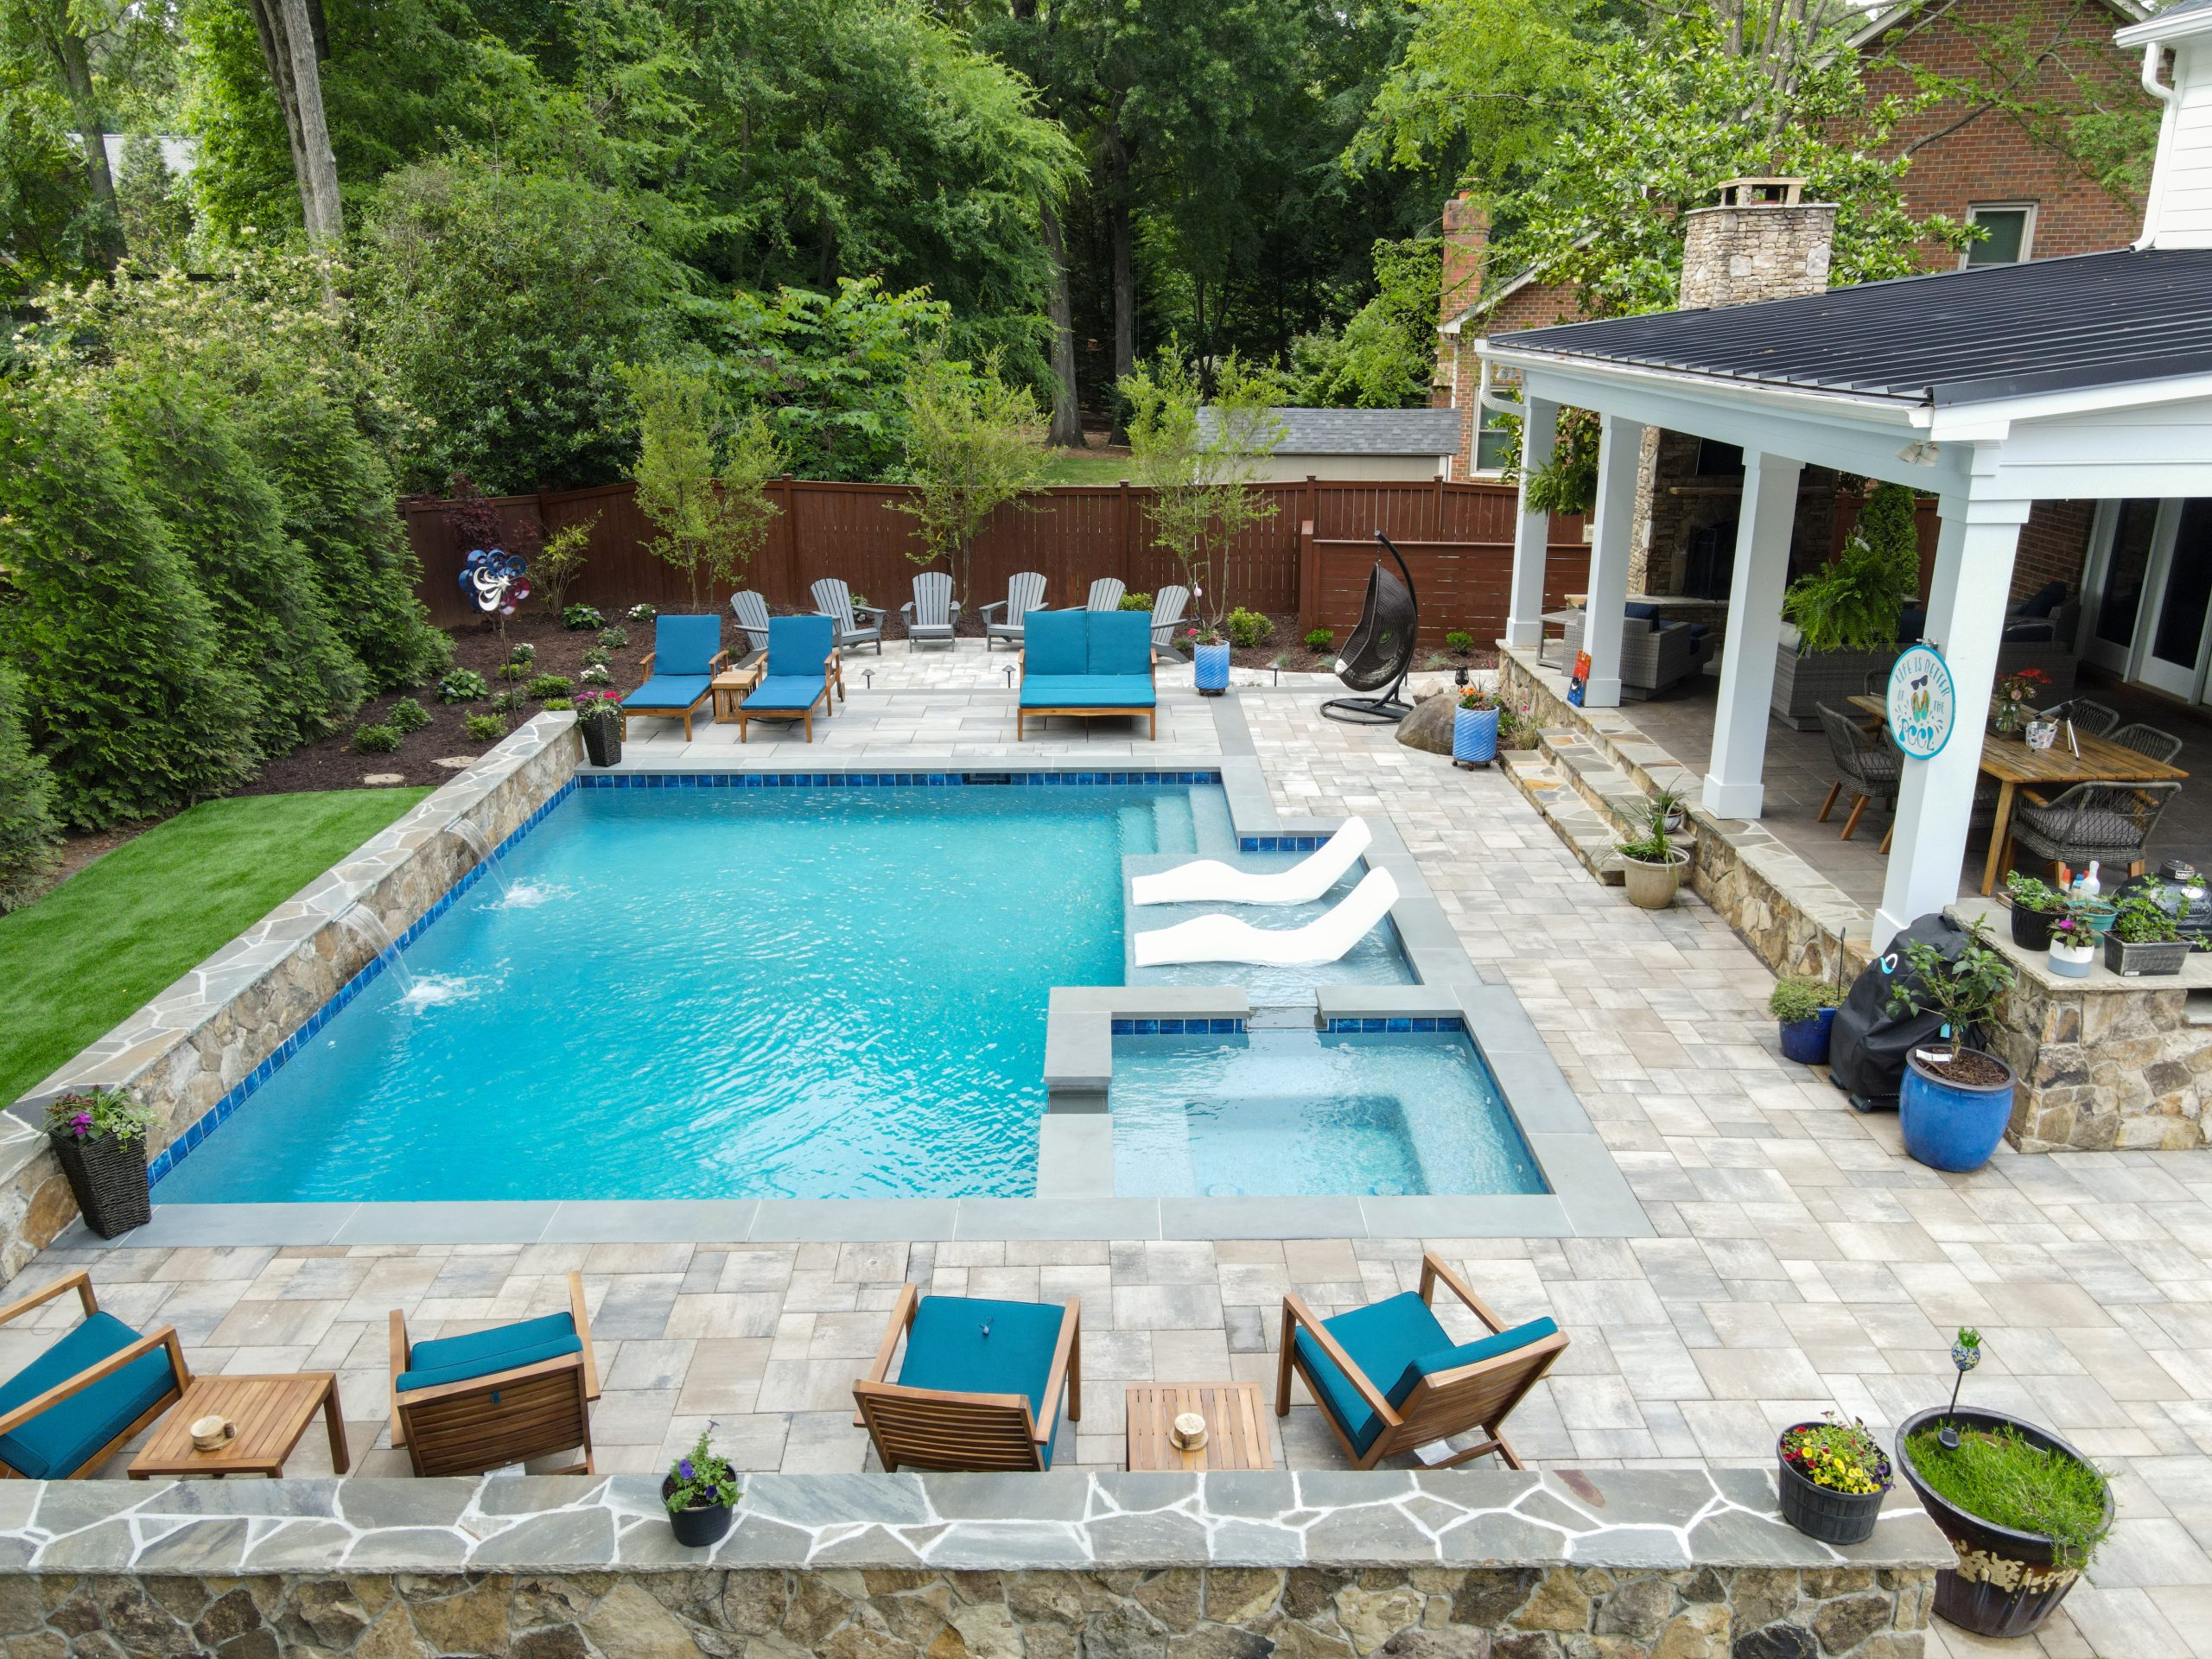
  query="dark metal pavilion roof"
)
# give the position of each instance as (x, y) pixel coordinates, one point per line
(1956, 337)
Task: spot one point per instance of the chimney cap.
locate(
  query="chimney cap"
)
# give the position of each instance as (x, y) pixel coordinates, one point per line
(1754, 191)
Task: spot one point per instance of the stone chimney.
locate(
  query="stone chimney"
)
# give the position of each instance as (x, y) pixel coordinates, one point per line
(1759, 240)
(1466, 248)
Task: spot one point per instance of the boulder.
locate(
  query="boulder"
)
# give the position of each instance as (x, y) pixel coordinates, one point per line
(1429, 727)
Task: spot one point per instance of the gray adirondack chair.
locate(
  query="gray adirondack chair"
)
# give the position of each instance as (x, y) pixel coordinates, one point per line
(1024, 592)
(1167, 614)
(929, 615)
(1105, 594)
(857, 625)
(752, 616)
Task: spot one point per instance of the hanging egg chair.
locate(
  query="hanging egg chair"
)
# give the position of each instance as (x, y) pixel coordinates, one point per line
(1380, 649)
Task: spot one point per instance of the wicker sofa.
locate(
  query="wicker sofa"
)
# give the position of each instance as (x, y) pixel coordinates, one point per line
(1656, 656)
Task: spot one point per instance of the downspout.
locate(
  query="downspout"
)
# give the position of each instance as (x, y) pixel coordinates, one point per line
(2153, 53)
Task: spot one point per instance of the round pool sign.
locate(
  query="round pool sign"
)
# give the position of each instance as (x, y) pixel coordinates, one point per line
(1924, 704)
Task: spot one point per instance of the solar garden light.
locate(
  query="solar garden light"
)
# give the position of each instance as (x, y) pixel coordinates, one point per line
(1965, 1354)
(868, 675)
(1009, 679)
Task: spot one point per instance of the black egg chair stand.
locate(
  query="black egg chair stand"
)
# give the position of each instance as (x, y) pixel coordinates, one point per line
(1380, 650)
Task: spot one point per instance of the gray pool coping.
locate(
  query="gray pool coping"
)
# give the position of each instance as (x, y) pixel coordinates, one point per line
(1591, 1196)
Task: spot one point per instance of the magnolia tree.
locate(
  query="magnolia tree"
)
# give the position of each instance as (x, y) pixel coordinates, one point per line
(973, 443)
(702, 479)
(1201, 461)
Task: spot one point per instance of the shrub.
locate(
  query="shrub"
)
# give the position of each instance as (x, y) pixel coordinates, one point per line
(513, 671)
(613, 638)
(1794, 1001)
(1249, 628)
(375, 739)
(639, 612)
(463, 685)
(28, 831)
(524, 652)
(1459, 640)
(551, 685)
(554, 703)
(596, 657)
(1136, 601)
(483, 727)
(581, 619)
(510, 702)
(407, 716)
(595, 674)
(1320, 639)
(558, 563)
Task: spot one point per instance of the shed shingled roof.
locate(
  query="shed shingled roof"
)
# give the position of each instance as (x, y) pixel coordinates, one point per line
(1361, 431)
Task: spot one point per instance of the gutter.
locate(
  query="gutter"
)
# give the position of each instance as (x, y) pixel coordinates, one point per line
(2154, 53)
(1887, 412)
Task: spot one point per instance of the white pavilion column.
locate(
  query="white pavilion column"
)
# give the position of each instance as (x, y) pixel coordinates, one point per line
(1965, 622)
(1525, 619)
(1734, 787)
(1620, 444)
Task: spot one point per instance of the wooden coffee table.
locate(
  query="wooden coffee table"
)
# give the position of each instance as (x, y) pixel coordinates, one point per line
(1236, 1425)
(271, 1413)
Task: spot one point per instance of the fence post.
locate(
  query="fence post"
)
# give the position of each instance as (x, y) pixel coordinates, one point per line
(1129, 559)
(1437, 534)
(790, 540)
(1309, 578)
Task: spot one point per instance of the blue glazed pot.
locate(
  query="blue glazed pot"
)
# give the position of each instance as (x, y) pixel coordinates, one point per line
(1212, 665)
(1951, 1126)
(1474, 736)
(1805, 1041)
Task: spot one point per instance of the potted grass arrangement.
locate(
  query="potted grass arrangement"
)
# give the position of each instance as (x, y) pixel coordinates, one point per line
(1957, 1097)
(1831, 1479)
(102, 1137)
(598, 718)
(699, 1490)
(1651, 865)
(2036, 905)
(1805, 1009)
(1474, 729)
(2023, 1510)
(2146, 937)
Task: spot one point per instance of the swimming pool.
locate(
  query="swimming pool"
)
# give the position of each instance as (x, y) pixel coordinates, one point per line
(1281, 1113)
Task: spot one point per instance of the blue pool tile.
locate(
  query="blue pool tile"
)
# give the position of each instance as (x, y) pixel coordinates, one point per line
(1421, 1022)
(1148, 1028)
(1222, 1027)
(1121, 1028)
(1171, 1027)
(1398, 1025)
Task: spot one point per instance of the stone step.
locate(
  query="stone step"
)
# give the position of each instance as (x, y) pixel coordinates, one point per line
(1608, 790)
(1589, 834)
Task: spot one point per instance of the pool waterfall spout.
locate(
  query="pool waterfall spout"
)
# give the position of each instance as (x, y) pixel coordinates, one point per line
(364, 924)
(471, 836)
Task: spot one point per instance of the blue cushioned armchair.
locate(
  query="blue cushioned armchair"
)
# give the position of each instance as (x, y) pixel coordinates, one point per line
(679, 669)
(800, 669)
(1389, 1379)
(982, 1386)
(464, 1405)
(1087, 663)
(95, 1387)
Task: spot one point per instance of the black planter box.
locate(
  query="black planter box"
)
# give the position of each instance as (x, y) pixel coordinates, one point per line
(2152, 956)
(108, 1179)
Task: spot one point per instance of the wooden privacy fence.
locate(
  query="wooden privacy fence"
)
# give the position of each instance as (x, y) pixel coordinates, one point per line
(1310, 557)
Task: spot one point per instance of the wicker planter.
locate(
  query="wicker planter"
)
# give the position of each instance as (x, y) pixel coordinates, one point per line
(602, 740)
(107, 1177)
(2150, 957)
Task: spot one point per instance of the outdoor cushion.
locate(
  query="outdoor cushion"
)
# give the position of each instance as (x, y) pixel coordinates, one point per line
(2030, 628)
(965, 1344)
(800, 645)
(2099, 829)
(1121, 642)
(1470, 1353)
(686, 644)
(1383, 1339)
(1055, 643)
(2045, 599)
(1912, 622)
(1642, 608)
(668, 692)
(60, 1440)
(787, 691)
(1086, 692)
(503, 1348)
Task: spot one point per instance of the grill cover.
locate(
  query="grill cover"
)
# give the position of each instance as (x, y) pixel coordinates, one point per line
(1867, 1048)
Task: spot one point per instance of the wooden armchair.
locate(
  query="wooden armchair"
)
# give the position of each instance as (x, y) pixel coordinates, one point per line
(66, 1411)
(981, 1387)
(463, 1405)
(1389, 1379)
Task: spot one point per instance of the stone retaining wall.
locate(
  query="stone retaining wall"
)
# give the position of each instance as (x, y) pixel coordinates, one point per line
(186, 1050)
(1686, 1564)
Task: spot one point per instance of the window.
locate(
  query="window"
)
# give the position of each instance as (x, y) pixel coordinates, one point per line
(2011, 227)
(1495, 442)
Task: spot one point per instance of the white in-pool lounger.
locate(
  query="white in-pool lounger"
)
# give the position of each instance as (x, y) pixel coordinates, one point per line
(1224, 938)
(1209, 881)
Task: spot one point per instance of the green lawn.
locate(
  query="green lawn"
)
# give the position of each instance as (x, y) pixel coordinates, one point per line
(112, 935)
(1066, 469)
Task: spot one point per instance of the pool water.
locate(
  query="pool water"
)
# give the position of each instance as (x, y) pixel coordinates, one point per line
(720, 993)
(1285, 1113)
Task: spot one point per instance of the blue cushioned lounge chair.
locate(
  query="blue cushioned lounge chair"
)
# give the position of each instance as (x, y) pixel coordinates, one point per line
(680, 669)
(982, 1386)
(800, 670)
(98, 1384)
(1389, 1379)
(1088, 663)
(464, 1405)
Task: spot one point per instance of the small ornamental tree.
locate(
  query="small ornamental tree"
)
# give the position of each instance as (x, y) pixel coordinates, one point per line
(1201, 466)
(973, 443)
(28, 831)
(712, 520)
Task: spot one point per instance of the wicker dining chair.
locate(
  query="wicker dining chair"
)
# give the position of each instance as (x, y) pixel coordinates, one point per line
(2111, 824)
(2145, 739)
(1865, 761)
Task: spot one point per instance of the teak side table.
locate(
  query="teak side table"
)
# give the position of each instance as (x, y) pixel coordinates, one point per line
(270, 1414)
(1236, 1425)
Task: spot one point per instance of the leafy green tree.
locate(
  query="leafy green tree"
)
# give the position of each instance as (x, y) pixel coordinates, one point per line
(1384, 357)
(28, 831)
(1200, 462)
(157, 217)
(50, 230)
(973, 443)
(128, 694)
(706, 497)
(55, 37)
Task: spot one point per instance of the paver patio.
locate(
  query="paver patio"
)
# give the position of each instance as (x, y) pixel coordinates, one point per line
(1800, 1261)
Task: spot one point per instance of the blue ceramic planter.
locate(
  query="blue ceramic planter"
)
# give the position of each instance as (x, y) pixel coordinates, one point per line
(1948, 1125)
(1211, 663)
(1805, 1041)
(1474, 736)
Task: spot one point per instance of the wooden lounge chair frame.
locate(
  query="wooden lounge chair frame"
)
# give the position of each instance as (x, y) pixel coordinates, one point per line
(1481, 1395)
(488, 1422)
(833, 687)
(936, 1428)
(1151, 712)
(180, 1373)
(715, 664)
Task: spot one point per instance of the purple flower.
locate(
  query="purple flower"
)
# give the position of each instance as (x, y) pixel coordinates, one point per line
(683, 1469)
(81, 1125)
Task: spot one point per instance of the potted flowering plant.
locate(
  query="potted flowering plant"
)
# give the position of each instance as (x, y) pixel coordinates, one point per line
(2073, 950)
(599, 718)
(699, 1489)
(1832, 1478)
(2015, 698)
(1209, 659)
(101, 1136)
(1474, 729)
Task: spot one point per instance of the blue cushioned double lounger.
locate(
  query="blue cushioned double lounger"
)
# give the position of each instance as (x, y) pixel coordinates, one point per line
(680, 669)
(800, 669)
(1088, 663)
(74, 1436)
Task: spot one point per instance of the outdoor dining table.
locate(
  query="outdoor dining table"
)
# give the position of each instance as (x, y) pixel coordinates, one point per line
(2007, 758)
